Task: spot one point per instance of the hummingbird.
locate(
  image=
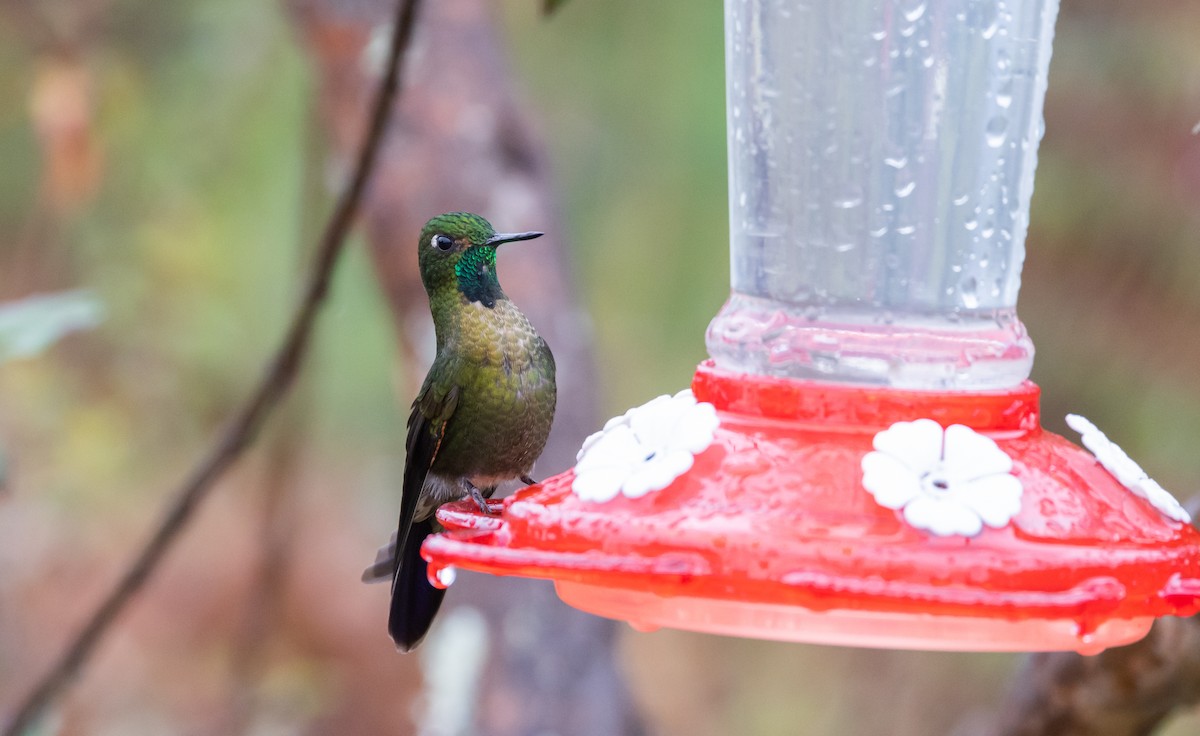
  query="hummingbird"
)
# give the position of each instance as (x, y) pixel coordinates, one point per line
(482, 415)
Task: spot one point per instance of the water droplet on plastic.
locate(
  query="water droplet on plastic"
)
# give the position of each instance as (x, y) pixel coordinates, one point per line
(961, 200)
(1087, 640)
(824, 363)
(1004, 96)
(896, 162)
(441, 577)
(847, 203)
(970, 296)
(1003, 61)
(905, 189)
(997, 131)
(913, 14)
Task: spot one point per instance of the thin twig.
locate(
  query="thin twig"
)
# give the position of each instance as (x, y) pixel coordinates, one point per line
(278, 378)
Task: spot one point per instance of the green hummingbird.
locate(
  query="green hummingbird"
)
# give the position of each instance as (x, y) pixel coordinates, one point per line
(483, 413)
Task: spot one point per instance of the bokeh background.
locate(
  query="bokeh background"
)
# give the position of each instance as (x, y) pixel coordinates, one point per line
(176, 161)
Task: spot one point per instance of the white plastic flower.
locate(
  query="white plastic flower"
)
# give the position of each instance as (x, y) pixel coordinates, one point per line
(950, 481)
(1125, 470)
(645, 449)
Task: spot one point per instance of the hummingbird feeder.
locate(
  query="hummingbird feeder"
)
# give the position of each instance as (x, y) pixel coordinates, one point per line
(861, 462)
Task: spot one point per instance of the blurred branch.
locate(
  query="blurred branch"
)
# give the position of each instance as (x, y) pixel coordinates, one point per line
(279, 377)
(280, 508)
(1127, 691)
(262, 608)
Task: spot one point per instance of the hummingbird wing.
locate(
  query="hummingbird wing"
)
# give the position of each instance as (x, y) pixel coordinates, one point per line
(414, 600)
(431, 412)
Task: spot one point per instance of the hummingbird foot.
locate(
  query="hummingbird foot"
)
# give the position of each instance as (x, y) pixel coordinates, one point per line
(480, 497)
(528, 481)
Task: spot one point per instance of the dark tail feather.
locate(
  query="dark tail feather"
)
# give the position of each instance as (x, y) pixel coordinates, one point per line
(414, 601)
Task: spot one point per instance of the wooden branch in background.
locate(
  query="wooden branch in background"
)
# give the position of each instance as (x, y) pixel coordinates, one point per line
(279, 376)
(1127, 691)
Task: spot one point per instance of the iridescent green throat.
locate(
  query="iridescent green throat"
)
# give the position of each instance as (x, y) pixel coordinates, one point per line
(476, 272)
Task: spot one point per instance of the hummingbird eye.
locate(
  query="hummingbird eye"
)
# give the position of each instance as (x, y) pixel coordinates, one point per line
(442, 242)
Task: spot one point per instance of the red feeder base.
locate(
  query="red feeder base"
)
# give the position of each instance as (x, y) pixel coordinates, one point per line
(771, 534)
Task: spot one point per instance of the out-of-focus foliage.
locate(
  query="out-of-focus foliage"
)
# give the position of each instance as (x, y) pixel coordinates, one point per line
(30, 325)
(195, 120)
(163, 156)
(650, 224)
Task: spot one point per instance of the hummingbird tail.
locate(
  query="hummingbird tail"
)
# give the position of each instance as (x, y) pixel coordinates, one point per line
(414, 601)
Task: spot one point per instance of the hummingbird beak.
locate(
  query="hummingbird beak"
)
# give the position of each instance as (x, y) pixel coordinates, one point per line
(499, 238)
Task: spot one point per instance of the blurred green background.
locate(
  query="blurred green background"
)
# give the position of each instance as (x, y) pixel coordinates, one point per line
(166, 156)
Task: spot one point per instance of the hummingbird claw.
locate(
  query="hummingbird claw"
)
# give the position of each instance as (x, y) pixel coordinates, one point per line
(479, 498)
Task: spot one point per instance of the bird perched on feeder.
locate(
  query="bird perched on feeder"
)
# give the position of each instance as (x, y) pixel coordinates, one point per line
(482, 415)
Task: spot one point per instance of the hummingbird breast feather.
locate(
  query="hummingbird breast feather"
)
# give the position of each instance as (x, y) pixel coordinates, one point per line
(505, 374)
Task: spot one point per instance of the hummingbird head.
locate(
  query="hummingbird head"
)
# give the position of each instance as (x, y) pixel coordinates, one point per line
(457, 251)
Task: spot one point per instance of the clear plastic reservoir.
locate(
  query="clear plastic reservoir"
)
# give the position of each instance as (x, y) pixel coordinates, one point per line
(881, 160)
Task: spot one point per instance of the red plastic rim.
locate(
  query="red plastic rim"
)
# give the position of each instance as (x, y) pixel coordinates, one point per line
(771, 534)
